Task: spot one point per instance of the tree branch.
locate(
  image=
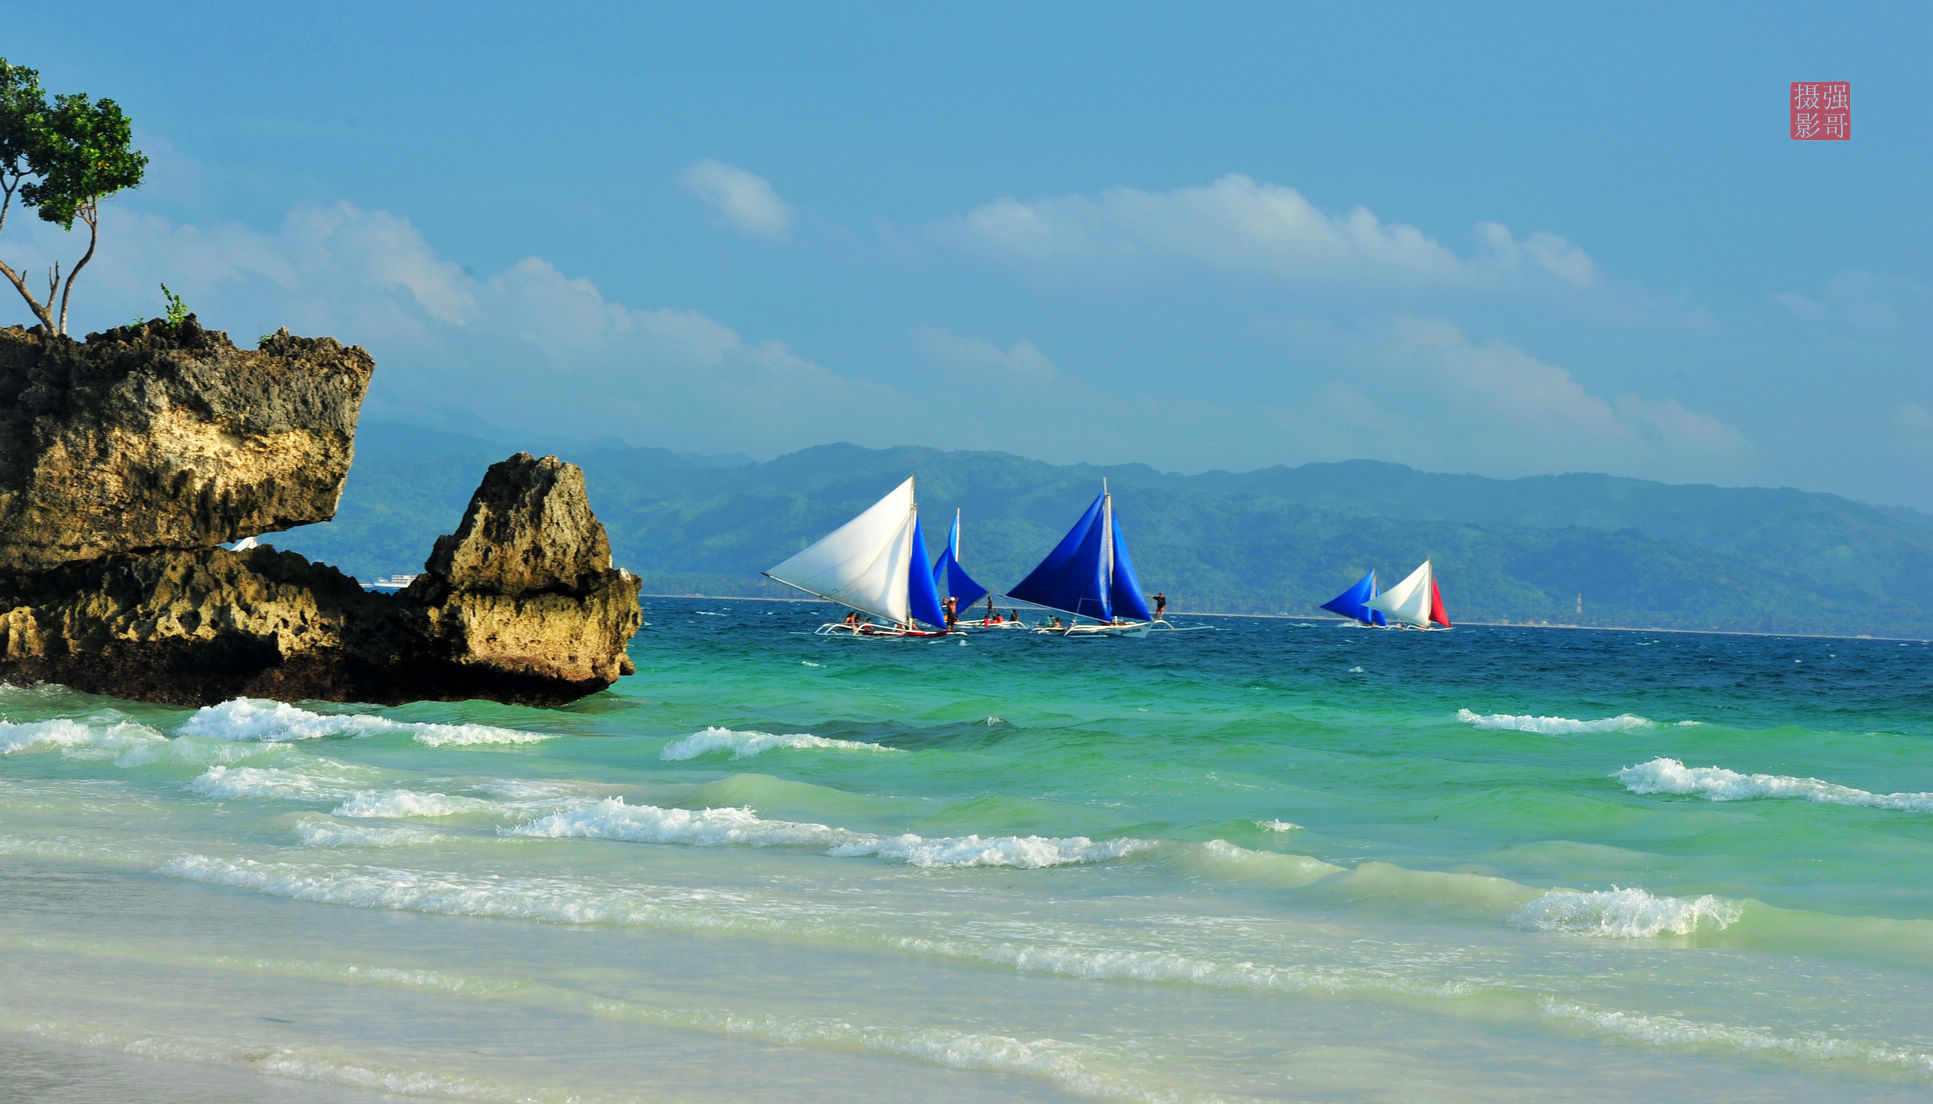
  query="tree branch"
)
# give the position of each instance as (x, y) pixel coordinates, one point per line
(91, 212)
(45, 314)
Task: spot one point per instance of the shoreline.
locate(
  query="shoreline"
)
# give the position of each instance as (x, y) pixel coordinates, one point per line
(1310, 619)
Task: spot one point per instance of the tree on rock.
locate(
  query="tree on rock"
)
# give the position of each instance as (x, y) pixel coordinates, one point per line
(62, 158)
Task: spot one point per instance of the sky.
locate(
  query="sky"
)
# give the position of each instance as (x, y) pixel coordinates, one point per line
(1519, 240)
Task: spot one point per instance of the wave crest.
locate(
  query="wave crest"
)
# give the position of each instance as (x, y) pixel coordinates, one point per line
(613, 819)
(256, 720)
(1552, 726)
(746, 743)
(1625, 913)
(1671, 776)
(76, 739)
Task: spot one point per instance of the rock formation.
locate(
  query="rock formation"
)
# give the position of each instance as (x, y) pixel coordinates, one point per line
(126, 462)
(146, 439)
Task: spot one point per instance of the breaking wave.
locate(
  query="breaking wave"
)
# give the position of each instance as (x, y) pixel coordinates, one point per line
(1671, 776)
(743, 744)
(76, 738)
(612, 819)
(1626, 913)
(257, 720)
(250, 719)
(414, 803)
(1552, 726)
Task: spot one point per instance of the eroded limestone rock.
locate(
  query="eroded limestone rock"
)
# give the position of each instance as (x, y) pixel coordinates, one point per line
(126, 460)
(148, 438)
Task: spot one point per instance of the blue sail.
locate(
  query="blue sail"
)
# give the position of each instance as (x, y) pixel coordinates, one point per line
(951, 578)
(1126, 592)
(1073, 577)
(922, 596)
(1354, 602)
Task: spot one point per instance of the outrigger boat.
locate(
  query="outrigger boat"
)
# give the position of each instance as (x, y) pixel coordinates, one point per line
(952, 581)
(1414, 603)
(1089, 574)
(875, 565)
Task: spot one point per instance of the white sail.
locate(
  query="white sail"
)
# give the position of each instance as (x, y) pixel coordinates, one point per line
(1409, 600)
(863, 563)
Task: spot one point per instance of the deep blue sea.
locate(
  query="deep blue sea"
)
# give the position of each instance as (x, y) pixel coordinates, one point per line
(1270, 860)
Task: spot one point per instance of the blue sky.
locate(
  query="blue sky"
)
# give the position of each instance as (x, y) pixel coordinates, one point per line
(1523, 240)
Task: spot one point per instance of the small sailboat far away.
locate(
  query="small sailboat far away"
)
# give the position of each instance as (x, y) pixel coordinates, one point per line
(874, 564)
(1415, 602)
(952, 581)
(1354, 602)
(1089, 574)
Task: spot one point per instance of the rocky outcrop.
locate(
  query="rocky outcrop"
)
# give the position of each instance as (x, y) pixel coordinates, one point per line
(156, 437)
(139, 452)
(526, 584)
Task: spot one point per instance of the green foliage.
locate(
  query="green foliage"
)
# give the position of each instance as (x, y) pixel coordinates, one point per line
(262, 341)
(177, 310)
(81, 153)
(21, 102)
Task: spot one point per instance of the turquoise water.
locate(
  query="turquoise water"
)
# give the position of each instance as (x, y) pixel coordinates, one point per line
(1272, 861)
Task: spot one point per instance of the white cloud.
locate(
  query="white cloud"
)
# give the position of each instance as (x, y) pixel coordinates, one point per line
(1866, 304)
(1243, 225)
(984, 365)
(1426, 394)
(533, 347)
(744, 200)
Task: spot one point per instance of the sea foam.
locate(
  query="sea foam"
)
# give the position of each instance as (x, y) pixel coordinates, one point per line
(257, 720)
(76, 739)
(1552, 726)
(250, 719)
(415, 803)
(1625, 913)
(614, 820)
(1671, 776)
(743, 744)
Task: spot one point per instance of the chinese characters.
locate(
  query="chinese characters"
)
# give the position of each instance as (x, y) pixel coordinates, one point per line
(1822, 111)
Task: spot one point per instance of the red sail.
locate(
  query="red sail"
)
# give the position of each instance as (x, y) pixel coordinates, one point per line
(1437, 613)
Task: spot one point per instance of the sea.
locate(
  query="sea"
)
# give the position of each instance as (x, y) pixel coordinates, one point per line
(1266, 860)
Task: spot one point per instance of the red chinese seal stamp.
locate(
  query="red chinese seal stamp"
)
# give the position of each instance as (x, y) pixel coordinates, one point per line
(1822, 111)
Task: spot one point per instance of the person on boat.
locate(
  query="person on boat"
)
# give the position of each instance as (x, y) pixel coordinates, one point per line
(989, 619)
(952, 613)
(1055, 623)
(1160, 603)
(852, 619)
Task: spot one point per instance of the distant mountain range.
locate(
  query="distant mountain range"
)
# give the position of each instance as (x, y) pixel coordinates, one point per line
(1278, 540)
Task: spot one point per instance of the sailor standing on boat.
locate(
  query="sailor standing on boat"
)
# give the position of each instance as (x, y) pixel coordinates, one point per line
(1160, 603)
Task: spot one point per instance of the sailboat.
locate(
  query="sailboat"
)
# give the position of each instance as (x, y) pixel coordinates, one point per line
(1415, 602)
(874, 564)
(950, 579)
(1354, 602)
(1089, 574)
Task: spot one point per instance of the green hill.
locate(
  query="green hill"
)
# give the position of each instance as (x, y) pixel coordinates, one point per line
(1279, 540)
